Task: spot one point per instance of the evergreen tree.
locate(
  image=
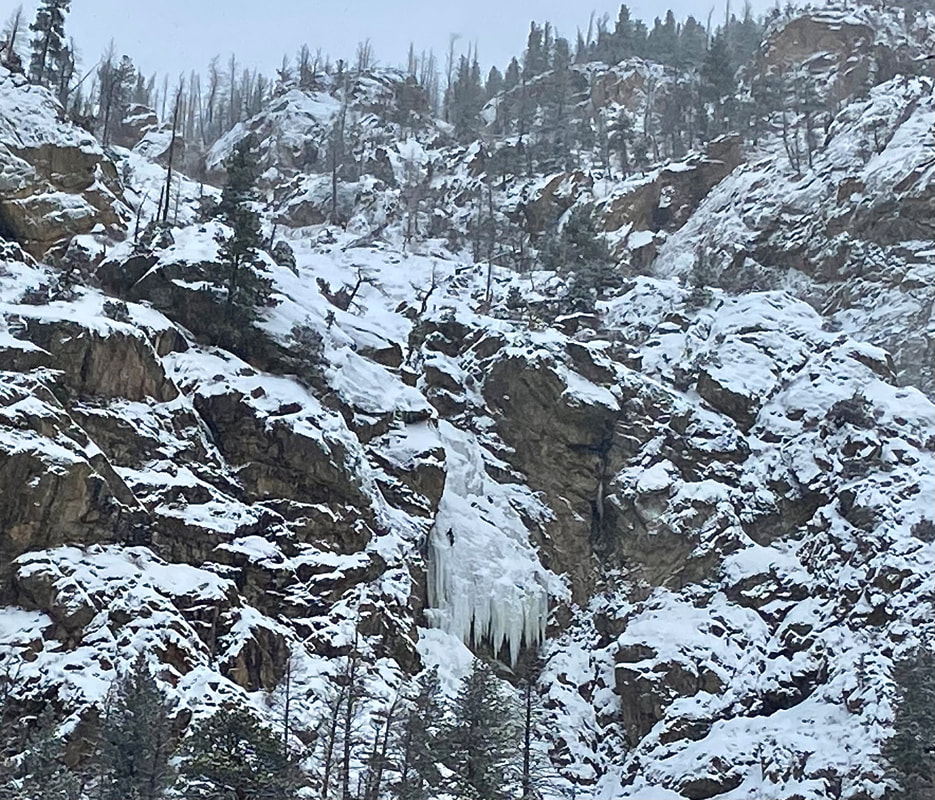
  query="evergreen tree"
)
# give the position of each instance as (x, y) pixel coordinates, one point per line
(419, 740)
(581, 49)
(48, 42)
(512, 75)
(624, 44)
(910, 752)
(640, 152)
(743, 37)
(41, 773)
(717, 81)
(135, 742)
(693, 42)
(536, 58)
(481, 742)
(662, 44)
(494, 83)
(766, 94)
(580, 250)
(246, 290)
(640, 38)
(64, 71)
(467, 99)
(555, 129)
(231, 756)
(117, 82)
(621, 138)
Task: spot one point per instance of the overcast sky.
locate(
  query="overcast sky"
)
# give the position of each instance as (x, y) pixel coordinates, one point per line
(181, 35)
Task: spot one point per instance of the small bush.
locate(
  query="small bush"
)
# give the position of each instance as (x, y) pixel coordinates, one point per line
(514, 299)
(116, 310)
(307, 351)
(36, 295)
(283, 255)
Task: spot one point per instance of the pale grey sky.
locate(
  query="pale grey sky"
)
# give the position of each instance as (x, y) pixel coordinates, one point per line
(181, 35)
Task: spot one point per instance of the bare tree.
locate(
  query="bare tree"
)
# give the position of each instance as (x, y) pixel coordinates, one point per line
(364, 56)
(379, 754)
(175, 123)
(337, 148)
(330, 740)
(8, 54)
(233, 116)
(449, 73)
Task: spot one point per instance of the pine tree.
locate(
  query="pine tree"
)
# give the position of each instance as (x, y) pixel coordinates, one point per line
(717, 81)
(624, 46)
(41, 773)
(418, 740)
(744, 36)
(662, 45)
(536, 58)
(511, 77)
(494, 83)
(693, 42)
(467, 99)
(135, 738)
(481, 741)
(231, 756)
(555, 129)
(246, 290)
(910, 752)
(580, 250)
(48, 42)
(621, 137)
(117, 82)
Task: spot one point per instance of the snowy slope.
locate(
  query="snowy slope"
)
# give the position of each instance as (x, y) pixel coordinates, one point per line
(709, 507)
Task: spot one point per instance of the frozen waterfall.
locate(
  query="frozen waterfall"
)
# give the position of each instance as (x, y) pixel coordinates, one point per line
(485, 579)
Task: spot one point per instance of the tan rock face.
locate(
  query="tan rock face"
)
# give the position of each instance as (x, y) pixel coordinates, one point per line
(69, 498)
(646, 693)
(625, 85)
(554, 199)
(666, 201)
(55, 180)
(826, 46)
(260, 660)
(559, 445)
(59, 192)
(108, 364)
(274, 459)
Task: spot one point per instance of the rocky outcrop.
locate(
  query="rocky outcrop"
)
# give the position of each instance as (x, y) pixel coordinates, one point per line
(854, 232)
(109, 362)
(666, 199)
(560, 443)
(56, 181)
(73, 494)
(558, 194)
(274, 457)
(825, 44)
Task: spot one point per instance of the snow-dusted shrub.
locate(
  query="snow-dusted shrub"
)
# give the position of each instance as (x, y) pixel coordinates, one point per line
(116, 310)
(283, 255)
(307, 348)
